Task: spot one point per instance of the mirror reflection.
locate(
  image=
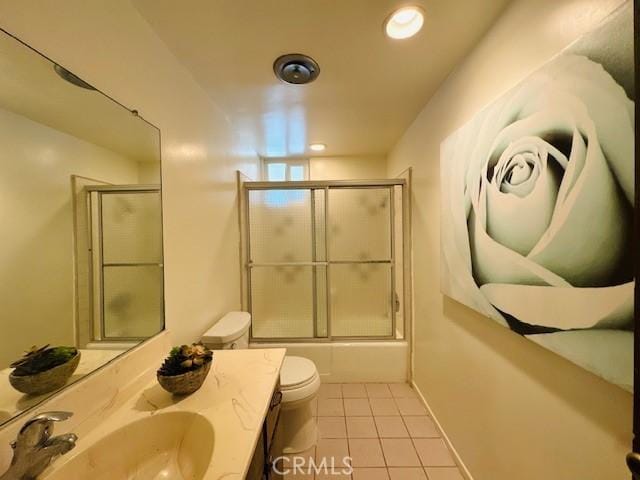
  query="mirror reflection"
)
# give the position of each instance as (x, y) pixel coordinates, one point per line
(81, 269)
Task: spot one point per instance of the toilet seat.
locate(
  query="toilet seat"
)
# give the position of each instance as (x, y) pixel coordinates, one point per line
(299, 380)
(296, 372)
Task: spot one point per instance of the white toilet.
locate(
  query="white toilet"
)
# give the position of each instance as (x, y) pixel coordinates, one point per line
(299, 382)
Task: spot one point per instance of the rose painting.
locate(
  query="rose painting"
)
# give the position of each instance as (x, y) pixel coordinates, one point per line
(537, 204)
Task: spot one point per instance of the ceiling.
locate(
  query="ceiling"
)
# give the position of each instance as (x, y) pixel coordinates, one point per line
(370, 87)
(30, 87)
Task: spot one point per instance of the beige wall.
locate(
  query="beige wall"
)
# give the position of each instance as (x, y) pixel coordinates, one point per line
(111, 46)
(148, 173)
(347, 168)
(512, 409)
(36, 212)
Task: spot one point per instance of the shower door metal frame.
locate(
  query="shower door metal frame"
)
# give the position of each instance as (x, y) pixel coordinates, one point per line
(326, 186)
(101, 336)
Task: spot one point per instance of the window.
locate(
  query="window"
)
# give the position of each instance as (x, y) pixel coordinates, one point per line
(281, 170)
(285, 169)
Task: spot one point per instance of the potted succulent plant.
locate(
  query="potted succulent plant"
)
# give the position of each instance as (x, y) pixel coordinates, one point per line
(185, 369)
(43, 370)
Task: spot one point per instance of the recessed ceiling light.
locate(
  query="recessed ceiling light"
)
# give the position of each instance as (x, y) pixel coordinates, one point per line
(404, 22)
(317, 147)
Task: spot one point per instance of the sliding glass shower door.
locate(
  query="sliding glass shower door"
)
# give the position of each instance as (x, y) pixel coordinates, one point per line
(282, 264)
(361, 258)
(320, 260)
(127, 265)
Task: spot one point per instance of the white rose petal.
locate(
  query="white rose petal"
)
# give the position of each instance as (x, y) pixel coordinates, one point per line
(495, 263)
(588, 238)
(607, 106)
(518, 219)
(564, 308)
(608, 353)
(588, 194)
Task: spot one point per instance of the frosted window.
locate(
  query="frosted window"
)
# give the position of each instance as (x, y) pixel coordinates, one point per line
(276, 172)
(296, 172)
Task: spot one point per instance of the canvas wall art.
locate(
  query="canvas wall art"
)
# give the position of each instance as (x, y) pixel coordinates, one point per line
(537, 204)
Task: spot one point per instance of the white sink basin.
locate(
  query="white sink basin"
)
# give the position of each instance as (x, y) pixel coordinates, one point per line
(176, 446)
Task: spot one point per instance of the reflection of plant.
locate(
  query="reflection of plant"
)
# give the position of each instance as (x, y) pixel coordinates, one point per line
(38, 360)
(185, 358)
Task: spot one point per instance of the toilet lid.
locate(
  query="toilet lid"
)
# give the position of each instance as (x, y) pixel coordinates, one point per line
(296, 371)
(229, 328)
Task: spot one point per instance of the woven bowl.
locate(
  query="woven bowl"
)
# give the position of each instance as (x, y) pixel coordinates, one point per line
(47, 381)
(185, 383)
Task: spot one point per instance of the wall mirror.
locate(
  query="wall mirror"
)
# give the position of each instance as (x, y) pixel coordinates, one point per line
(81, 266)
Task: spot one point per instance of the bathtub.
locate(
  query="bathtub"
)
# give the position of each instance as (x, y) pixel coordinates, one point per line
(352, 362)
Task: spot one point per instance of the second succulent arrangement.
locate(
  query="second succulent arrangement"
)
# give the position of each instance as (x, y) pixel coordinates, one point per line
(184, 359)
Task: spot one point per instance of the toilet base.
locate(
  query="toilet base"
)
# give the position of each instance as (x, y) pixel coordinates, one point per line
(299, 428)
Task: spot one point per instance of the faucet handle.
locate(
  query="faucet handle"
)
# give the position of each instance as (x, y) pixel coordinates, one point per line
(47, 418)
(38, 429)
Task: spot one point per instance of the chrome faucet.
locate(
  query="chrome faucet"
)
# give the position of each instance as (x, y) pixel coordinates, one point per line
(35, 448)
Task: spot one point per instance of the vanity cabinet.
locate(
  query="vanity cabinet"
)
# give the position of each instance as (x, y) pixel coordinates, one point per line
(266, 449)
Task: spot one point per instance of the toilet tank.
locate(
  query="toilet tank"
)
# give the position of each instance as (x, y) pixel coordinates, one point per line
(229, 333)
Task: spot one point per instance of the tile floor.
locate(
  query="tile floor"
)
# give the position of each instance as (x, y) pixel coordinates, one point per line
(386, 431)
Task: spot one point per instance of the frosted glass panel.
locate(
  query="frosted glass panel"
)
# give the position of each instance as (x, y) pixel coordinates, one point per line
(132, 302)
(319, 214)
(359, 224)
(399, 254)
(361, 300)
(321, 302)
(131, 228)
(282, 302)
(280, 226)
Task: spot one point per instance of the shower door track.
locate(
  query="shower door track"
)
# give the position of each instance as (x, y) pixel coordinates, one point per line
(321, 184)
(326, 185)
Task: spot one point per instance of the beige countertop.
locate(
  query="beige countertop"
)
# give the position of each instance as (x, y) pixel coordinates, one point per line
(234, 399)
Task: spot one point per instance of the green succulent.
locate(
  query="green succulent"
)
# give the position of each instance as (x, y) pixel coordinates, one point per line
(38, 360)
(185, 358)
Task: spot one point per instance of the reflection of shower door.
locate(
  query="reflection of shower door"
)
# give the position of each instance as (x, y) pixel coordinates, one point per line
(127, 267)
(321, 259)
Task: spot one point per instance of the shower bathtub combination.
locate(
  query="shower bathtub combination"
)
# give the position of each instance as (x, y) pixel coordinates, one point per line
(325, 273)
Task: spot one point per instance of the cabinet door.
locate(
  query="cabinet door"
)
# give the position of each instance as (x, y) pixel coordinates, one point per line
(273, 416)
(266, 450)
(257, 469)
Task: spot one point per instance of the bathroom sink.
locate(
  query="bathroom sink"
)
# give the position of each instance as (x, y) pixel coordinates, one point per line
(176, 445)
